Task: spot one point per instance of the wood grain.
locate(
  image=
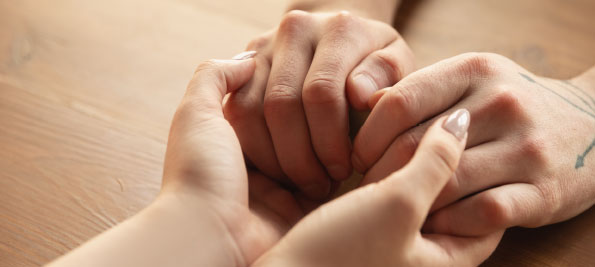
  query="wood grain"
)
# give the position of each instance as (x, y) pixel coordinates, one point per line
(88, 88)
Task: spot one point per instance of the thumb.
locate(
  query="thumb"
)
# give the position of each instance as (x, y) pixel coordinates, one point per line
(432, 165)
(203, 150)
(215, 78)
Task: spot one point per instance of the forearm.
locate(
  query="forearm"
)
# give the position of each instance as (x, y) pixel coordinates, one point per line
(167, 233)
(382, 10)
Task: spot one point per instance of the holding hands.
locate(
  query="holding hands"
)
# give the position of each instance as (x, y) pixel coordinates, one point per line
(520, 166)
(437, 190)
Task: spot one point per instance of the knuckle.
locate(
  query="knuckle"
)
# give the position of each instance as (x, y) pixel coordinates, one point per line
(400, 101)
(391, 65)
(505, 103)
(294, 22)
(480, 64)
(505, 98)
(495, 210)
(534, 149)
(322, 91)
(343, 19)
(278, 98)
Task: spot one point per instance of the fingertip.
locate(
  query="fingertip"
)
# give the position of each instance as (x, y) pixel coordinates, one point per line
(458, 123)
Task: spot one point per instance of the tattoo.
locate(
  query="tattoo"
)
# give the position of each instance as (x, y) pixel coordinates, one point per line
(566, 83)
(557, 94)
(581, 90)
(581, 158)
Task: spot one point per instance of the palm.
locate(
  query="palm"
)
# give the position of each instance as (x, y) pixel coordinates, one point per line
(271, 211)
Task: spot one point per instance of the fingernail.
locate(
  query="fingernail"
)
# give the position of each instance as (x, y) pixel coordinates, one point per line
(338, 172)
(319, 190)
(366, 86)
(458, 123)
(244, 55)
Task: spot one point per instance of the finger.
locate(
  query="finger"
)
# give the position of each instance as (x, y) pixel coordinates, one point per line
(417, 97)
(274, 197)
(215, 78)
(283, 109)
(380, 69)
(492, 116)
(480, 169)
(338, 52)
(438, 250)
(244, 112)
(403, 148)
(489, 211)
(375, 97)
(435, 161)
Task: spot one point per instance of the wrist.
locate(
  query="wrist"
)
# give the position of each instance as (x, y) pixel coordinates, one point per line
(381, 10)
(196, 223)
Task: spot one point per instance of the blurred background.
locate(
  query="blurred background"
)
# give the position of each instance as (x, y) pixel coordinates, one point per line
(88, 89)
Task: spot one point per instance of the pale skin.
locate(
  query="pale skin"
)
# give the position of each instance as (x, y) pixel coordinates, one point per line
(212, 211)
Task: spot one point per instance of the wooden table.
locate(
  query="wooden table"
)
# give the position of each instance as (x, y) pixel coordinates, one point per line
(88, 88)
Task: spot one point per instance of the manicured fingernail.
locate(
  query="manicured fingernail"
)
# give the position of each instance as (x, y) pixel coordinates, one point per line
(338, 172)
(458, 123)
(365, 85)
(244, 55)
(318, 191)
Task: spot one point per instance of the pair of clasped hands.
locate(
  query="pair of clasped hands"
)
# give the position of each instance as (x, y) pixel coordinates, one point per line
(452, 155)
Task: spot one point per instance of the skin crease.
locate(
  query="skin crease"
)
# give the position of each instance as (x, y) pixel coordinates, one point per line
(385, 229)
(238, 214)
(212, 211)
(202, 214)
(292, 118)
(520, 162)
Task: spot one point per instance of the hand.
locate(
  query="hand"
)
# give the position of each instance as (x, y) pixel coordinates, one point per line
(520, 167)
(203, 214)
(204, 163)
(292, 118)
(379, 224)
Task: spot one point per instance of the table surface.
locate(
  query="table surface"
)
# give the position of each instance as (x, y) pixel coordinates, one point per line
(88, 89)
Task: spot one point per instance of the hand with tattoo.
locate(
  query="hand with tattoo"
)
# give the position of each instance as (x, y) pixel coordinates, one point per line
(528, 160)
